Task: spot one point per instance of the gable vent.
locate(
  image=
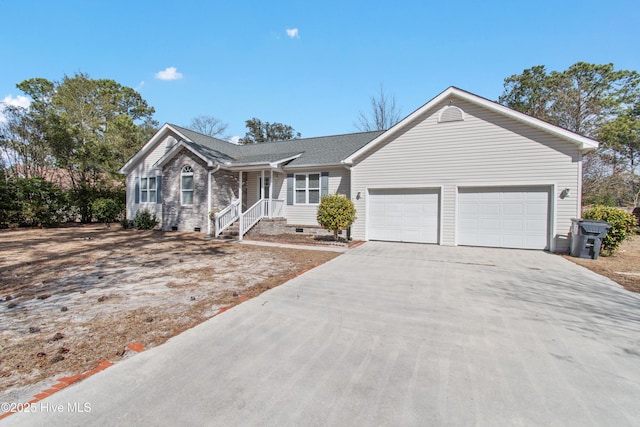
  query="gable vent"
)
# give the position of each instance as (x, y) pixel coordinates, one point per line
(170, 142)
(451, 114)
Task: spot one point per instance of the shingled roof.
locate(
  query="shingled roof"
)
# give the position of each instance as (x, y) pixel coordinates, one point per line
(306, 152)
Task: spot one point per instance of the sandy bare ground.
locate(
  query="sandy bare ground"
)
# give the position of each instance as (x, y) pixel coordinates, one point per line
(71, 297)
(623, 267)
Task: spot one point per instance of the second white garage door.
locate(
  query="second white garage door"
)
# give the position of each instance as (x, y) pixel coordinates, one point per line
(404, 215)
(504, 217)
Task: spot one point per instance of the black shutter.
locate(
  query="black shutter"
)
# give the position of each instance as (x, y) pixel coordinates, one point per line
(159, 189)
(290, 189)
(136, 189)
(324, 184)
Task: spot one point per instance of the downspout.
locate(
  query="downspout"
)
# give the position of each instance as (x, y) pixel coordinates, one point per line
(211, 172)
(579, 190)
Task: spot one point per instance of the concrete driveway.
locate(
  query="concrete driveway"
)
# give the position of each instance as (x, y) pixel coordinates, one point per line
(390, 334)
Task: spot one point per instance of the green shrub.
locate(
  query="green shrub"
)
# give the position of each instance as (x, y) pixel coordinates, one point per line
(38, 202)
(145, 220)
(336, 213)
(126, 223)
(622, 225)
(106, 210)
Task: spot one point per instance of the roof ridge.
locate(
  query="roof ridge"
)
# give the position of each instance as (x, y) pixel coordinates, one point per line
(317, 137)
(182, 128)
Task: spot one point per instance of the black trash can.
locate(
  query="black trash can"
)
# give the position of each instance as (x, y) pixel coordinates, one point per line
(586, 237)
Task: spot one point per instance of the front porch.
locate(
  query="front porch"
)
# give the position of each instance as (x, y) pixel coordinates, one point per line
(267, 206)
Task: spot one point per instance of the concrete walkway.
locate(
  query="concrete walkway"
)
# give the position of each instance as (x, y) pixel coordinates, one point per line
(389, 334)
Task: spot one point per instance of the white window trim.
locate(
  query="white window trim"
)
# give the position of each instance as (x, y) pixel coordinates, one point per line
(146, 190)
(306, 188)
(186, 171)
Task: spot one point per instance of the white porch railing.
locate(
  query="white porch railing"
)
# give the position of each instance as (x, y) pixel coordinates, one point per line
(252, 215)
(277, 208)
(263, 208)
(226, 217)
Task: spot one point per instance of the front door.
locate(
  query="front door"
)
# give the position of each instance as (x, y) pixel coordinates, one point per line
(266, 186)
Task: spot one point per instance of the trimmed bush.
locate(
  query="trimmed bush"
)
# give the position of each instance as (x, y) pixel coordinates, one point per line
(622, 225)
(336, 213)
(106, 210)
(145, 220)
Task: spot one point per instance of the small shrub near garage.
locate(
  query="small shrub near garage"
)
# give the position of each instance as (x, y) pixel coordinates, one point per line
(145, 220)
(106, 210)
(622, 225)
(336, 213)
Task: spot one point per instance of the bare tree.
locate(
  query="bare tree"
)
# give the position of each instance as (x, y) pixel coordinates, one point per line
(384, 113)
(209, 125)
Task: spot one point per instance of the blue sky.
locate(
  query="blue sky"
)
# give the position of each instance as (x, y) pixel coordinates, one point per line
(236, 60)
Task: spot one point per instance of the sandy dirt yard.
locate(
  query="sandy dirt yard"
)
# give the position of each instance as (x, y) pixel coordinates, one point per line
(623, 267)
(73, 296)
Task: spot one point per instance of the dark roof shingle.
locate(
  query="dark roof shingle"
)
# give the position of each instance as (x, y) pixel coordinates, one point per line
(318, 151)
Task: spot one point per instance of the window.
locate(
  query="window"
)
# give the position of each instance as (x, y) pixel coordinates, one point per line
(148, 190)
(186, 186)
(307, 189)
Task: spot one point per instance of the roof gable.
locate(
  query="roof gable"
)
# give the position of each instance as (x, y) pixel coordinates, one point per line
(584, 143)
(303, 152)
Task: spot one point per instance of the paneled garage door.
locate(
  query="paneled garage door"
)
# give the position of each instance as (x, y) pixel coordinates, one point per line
(404, 215)
(504, 217)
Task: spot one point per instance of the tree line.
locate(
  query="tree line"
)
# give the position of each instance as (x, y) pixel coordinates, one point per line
(60, 156)
(596, 101)
(63, 152)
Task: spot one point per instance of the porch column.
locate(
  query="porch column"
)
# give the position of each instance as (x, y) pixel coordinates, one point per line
(240, 232)
(240, 190)
(262, 192)
(271, 193)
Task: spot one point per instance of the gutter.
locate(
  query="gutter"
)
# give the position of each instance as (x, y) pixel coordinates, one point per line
(211, 172)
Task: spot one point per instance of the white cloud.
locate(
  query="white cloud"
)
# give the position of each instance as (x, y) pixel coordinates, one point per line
(137, 88)
(293, 33)
(18, 101)
(169, 73)
(235, 139)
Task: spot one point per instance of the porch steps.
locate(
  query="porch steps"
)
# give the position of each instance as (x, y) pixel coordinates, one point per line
(230, 233)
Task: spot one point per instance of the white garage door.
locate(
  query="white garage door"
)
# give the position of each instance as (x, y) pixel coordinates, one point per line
(404, 215)
(504, 217)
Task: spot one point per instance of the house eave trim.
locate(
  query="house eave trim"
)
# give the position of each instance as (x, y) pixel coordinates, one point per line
(253, 166)
(317, 166)
(149, 145)
(175, 149)
(585, 144)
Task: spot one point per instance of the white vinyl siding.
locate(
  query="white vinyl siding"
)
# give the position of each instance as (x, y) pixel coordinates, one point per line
(253, 187)
(307, 214)
(486, 149)
(145, 168)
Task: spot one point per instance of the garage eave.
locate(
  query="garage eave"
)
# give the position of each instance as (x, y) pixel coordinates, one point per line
(584, 144)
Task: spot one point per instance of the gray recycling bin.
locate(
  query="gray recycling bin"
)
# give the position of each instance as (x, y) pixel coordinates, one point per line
(586, 237)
